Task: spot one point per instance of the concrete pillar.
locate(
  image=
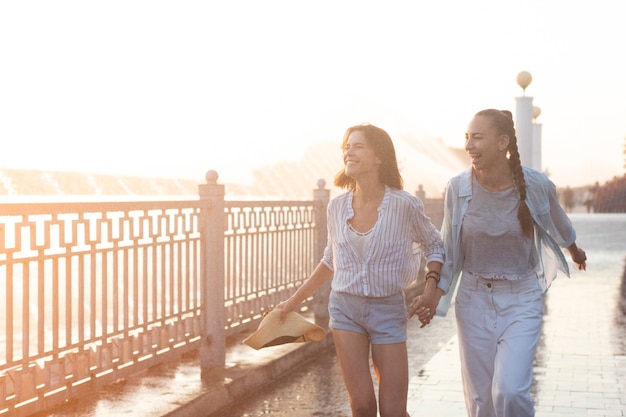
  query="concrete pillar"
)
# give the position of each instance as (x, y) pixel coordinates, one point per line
(321, 197)
(537, 145)
(524, 129)
(212, 320)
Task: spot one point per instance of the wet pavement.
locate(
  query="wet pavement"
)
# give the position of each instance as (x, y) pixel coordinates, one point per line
(580, 369)
(316, 388)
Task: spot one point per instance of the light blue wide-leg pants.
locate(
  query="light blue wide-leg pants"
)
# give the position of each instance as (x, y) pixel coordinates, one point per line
(499, 325)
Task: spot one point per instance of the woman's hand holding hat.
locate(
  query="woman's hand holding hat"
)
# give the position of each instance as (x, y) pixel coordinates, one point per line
(279, 327)
(285, 307)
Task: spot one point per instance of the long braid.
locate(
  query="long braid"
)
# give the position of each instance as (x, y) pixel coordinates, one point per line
(503, 121)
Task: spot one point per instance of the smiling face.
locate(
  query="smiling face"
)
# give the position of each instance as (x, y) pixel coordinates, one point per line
(359, 157)
(368, 155)
(485, 146)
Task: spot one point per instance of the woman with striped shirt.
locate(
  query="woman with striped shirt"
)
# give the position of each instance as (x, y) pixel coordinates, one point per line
(372, 231)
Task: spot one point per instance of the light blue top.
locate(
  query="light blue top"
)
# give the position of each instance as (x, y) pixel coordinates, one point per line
(493, 244)
(553, 230)
(392, 258)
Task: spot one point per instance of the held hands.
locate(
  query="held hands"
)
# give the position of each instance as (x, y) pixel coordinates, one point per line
(424, 306)
(418, 307)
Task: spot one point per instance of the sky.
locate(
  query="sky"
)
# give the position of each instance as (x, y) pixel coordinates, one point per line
(177, 88)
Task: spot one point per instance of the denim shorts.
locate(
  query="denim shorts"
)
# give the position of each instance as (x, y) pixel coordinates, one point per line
(382, 319)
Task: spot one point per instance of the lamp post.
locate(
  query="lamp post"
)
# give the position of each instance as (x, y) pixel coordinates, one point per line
(536, 159)
(524, 120)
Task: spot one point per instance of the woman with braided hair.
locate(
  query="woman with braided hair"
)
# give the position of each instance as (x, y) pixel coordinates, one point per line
(503, 231)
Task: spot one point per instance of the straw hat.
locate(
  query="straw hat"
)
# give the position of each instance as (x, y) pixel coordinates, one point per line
(295, 329)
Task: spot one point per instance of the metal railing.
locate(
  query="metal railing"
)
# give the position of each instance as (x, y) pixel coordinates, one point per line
(93, 292)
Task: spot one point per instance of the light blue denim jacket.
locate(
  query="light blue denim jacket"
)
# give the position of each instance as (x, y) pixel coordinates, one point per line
(553, 230)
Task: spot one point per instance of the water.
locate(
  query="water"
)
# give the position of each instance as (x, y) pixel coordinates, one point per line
(316, 388)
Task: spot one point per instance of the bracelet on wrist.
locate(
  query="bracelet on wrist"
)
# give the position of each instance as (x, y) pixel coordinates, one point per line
(434, 275)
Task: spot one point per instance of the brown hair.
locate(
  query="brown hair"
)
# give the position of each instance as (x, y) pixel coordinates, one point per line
(380, 141)
(502, 121)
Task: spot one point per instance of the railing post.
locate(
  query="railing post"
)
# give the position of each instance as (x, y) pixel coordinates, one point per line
(213, 334)
(321, 197)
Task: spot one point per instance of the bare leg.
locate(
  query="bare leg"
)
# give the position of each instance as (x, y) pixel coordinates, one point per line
(353, 354)
(392, 369)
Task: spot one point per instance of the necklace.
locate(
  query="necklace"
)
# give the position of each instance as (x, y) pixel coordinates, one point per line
(359, 233)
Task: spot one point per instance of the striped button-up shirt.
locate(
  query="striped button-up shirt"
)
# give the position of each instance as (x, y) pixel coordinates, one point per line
(392, 259)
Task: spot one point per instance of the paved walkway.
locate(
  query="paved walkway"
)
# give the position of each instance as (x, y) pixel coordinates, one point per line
(580, 369)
